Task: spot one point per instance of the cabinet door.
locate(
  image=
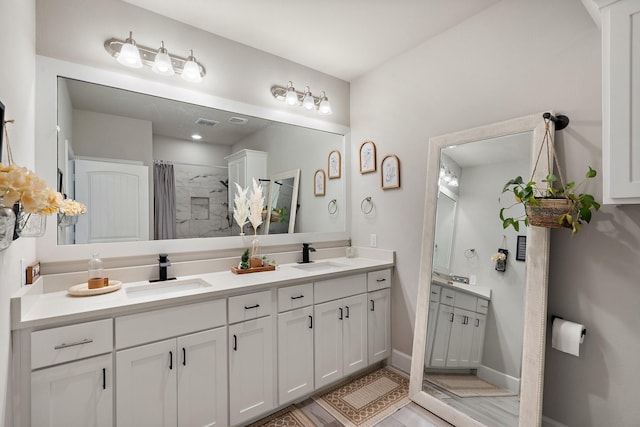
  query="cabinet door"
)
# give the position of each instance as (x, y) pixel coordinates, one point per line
(441, 336)
(478, 325)
(354, 333)
(379, 325)
(146, 385)
(74, 394)
(466, 339)
(431, 331)
(202, 378)
(251, 370)
(295, 354)
(328, 318)
(455, 338)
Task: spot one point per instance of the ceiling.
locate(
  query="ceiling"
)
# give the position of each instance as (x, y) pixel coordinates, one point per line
(342, 38)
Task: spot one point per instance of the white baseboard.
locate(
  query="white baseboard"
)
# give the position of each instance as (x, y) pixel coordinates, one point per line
(499, 378)
(548, 422)
(401, 361)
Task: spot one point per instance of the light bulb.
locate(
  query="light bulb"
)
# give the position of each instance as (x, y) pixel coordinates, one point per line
(454, 182)
(325, 106)
(162, 64)
(191, 70)
(129, 55)
(292, 97)
(307, 101)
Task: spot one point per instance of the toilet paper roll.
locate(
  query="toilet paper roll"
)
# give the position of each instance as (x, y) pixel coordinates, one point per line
(567, 336)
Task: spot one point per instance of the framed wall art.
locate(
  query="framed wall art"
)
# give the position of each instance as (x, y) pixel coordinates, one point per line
(335, 164)
(367, 157)
(319, 180)
(390, 172)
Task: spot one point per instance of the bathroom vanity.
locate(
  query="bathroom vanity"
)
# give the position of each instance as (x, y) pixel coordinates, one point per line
(208, 349)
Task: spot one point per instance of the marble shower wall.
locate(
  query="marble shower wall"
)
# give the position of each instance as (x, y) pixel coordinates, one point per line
(201, 201)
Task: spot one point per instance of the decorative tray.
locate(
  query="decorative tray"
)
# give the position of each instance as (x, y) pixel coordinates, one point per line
(82, 290)
(253, 270)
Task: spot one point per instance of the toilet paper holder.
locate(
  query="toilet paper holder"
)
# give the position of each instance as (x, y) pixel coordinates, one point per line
(554, 317)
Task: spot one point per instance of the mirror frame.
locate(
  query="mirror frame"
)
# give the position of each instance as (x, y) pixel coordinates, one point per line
(537, 273)
(47, 72)
(295, 174)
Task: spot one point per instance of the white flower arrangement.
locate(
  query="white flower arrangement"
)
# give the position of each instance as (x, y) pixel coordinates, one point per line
(241, 207)
(256, 204)
(498, 256)
(71, 207)
(19, 184)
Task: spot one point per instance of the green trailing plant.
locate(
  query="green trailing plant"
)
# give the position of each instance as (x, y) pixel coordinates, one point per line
(244, 260)
(579, 205)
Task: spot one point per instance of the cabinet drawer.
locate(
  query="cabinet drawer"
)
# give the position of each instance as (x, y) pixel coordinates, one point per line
(156, 325)
(482, 306)
(434, 293)
(328, 290)
(249, 306)
(378, 280)
(58, 345)
(466, 301)
(447, 296)
(297, 296)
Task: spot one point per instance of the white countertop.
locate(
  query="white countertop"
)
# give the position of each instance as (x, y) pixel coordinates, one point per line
(478, 291)
(34, 307)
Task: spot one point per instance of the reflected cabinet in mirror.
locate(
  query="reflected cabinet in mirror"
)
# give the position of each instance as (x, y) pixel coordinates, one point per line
(152, 168)
(478, 353)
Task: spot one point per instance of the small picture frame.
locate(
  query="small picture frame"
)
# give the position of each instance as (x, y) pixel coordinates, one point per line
(335, 165)
(390, 172)
(367, 157)
(521, 248)
(319, 181)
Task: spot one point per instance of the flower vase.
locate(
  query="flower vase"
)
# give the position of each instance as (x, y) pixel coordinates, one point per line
(67, 220)
(256, 259)
(30, 224)
(7, 226)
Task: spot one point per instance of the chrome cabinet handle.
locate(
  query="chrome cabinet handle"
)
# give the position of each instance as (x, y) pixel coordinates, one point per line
(249, 307)
(298, 297)
(65, 345)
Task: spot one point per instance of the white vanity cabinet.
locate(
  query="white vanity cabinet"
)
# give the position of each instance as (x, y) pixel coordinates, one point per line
(177, 381)
(295, 342)
(340, 327)
(251, 356)
(457, 337)
(621, 101)
(379, 315)
(78, 392)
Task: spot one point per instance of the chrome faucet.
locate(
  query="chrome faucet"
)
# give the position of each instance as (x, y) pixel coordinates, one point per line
(305, 253)
(163, 263)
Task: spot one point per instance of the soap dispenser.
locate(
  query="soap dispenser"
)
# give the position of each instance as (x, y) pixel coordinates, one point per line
(96, 272)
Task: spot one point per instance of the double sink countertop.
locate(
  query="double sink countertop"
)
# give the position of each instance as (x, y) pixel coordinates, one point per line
(48, 304)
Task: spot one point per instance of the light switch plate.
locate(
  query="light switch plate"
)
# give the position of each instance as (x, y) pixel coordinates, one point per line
(373, 240)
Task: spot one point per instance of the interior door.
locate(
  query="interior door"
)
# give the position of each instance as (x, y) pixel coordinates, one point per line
(117, 199)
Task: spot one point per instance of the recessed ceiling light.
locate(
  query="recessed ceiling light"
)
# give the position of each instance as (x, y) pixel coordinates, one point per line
(196, 137)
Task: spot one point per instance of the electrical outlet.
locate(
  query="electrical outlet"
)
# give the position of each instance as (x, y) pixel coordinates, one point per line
(373, 240)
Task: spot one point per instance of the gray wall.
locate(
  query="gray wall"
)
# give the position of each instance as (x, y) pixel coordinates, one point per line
(513, 59)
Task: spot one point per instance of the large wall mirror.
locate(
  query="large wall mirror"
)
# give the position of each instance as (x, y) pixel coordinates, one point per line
(478, 353)
(113, 130)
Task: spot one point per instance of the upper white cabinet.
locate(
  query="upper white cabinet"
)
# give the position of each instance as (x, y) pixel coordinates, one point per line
(621, 102)
(245, 165)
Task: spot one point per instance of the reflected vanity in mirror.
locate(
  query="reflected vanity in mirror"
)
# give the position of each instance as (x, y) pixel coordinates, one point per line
(478, 353)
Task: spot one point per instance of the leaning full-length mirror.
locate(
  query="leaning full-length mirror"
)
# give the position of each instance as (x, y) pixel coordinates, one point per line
(478, 345)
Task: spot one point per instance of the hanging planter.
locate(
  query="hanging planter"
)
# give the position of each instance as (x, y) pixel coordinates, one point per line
(30, 224)
(7, 226)
(546, 205)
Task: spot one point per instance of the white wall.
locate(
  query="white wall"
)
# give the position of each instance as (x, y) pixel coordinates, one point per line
(516, 58)
(17, 93)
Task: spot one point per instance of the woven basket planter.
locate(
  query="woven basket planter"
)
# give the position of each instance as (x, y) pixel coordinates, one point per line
(547, 212)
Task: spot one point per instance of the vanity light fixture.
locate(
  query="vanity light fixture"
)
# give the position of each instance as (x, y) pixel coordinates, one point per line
(305, 99)
(129, 53)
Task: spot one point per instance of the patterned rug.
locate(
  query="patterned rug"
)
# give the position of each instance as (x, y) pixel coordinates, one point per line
(467, 385)
(367, 400)
(287, 417)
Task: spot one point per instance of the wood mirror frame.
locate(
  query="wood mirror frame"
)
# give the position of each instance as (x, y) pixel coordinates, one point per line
(537, 266)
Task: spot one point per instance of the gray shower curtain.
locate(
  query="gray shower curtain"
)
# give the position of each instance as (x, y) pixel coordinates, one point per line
(164, 201)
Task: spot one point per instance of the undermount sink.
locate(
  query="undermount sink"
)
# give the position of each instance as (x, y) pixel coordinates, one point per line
(319, 266)
(166, 287)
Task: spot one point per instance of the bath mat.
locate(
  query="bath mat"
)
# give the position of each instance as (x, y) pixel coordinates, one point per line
(368, 399)
(287, 417)
(467, 385)
(430, 389)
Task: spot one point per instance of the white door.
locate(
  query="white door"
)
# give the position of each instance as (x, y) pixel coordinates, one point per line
(251, 369)
(354, 333)
(117, 199)
(146, 385)
(202, 378)
(328, 318)
(295, 354)
(76, 394)
(479, 324)
(379, 325)
(441, 337)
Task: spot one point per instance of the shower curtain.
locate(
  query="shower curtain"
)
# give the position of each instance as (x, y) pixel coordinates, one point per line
(164, 201)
